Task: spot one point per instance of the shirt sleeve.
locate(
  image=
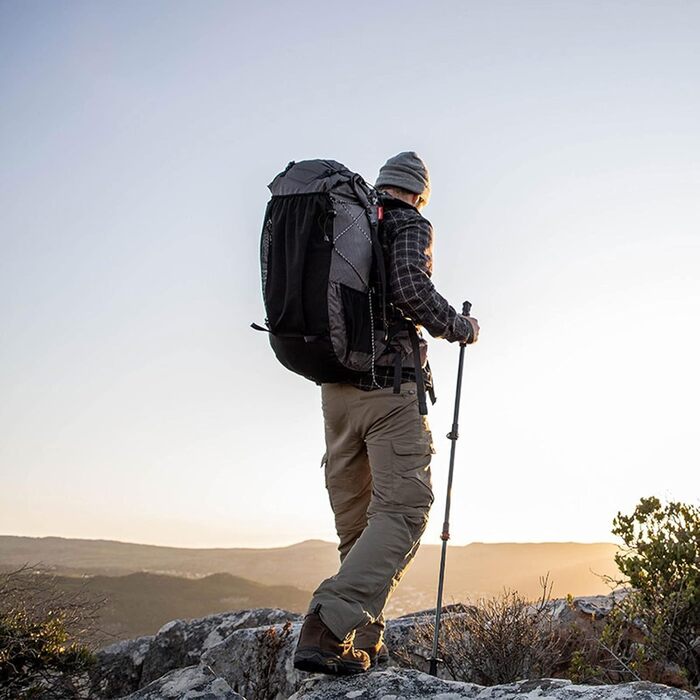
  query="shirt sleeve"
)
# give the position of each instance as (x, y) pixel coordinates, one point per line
(412, 290)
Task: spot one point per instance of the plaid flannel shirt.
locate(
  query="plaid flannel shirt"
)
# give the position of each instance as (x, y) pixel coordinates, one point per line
(408, 247)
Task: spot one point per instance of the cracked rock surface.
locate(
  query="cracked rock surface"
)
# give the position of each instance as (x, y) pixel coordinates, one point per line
(191, 683)
(406, 684)
(127, 666)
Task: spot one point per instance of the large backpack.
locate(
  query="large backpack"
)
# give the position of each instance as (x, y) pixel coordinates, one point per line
(323, 272)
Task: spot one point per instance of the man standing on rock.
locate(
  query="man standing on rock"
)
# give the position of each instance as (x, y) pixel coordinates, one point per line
(379, 446)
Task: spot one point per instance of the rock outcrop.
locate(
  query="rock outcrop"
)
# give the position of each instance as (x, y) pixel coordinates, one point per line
(187, 684)
(182, 643)
(119, 667)
(249, 654)
(128, 666)
(259, 662)
(588, 613)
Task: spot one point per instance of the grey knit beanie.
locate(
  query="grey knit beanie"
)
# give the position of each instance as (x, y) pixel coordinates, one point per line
(407, 171)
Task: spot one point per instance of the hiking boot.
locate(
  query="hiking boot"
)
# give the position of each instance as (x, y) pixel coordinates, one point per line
(370, 639)
(378, 654)
(320, 651)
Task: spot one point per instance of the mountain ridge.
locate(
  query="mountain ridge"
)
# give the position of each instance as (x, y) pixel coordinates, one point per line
(473, 570)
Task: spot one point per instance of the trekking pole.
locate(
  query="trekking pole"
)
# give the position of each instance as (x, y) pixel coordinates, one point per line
(453, 435)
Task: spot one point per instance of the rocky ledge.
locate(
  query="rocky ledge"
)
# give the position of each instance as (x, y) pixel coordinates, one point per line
(406, 684)
(248, 654)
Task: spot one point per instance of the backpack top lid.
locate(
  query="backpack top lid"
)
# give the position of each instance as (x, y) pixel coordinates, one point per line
(309, 176)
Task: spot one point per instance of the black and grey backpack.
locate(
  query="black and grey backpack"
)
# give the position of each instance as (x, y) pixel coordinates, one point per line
(323, 272)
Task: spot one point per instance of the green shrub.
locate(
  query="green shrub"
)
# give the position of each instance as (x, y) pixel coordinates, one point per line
(661, 562)
(652, 632)
(40, 653)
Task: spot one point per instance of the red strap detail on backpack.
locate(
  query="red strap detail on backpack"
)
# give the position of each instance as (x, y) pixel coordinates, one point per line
(380, 213)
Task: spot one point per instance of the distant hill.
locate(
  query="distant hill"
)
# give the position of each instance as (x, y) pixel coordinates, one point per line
(141, 603)
(298, 563)
(474, 570)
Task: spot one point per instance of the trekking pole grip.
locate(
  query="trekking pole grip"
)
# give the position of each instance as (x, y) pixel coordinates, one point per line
(466, 310)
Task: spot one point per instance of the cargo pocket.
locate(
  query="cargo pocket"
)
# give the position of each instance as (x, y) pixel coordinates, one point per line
(411, 470)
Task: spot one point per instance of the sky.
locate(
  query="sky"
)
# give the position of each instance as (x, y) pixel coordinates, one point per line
(137, 140)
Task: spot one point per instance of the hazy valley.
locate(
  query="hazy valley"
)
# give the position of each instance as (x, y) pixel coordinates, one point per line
(146, 586)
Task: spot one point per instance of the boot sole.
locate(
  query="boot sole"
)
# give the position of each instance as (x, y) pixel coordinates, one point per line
(315, 661)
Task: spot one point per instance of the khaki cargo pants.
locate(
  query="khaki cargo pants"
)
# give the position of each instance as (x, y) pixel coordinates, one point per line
(377, 470)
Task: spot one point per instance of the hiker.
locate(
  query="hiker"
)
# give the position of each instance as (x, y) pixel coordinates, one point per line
(379, 445)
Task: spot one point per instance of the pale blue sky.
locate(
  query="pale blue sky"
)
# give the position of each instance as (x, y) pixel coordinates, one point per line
(137, 140)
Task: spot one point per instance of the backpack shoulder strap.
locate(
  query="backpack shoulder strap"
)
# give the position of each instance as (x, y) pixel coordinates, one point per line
(369, 197)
